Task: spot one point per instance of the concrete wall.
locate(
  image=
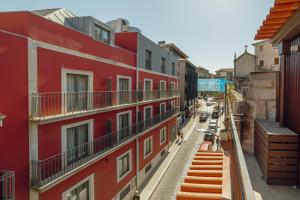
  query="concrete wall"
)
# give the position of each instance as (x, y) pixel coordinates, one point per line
(259, 102)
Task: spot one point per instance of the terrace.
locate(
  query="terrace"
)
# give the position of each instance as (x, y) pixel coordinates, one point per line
(7, 185)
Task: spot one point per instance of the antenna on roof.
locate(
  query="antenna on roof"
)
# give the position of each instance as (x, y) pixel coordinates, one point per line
(246, 46)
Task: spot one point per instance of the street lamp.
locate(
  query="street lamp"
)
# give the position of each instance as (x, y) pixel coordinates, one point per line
(2, 117)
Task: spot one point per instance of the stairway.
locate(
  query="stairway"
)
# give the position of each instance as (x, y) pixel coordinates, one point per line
(204, 178)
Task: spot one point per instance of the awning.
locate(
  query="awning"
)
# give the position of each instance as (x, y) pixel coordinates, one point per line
(276, 19)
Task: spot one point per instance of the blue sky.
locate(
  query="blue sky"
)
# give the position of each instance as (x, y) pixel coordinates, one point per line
(209, 31)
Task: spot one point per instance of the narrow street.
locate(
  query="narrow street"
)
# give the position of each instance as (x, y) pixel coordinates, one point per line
(170, 183)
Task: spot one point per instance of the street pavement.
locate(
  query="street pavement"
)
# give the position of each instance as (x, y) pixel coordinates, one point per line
(170, 183)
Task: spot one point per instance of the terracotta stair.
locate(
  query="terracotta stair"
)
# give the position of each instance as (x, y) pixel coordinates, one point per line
(204, 178)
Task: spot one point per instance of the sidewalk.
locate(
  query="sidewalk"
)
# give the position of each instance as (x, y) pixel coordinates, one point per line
(149, 188)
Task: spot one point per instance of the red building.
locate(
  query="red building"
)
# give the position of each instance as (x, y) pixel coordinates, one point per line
(88, 114)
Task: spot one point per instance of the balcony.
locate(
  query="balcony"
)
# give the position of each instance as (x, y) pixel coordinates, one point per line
(59, 104)
(54, 167)
(7, 185)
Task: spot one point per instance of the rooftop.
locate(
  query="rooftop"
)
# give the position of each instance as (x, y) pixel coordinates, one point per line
(277, 18)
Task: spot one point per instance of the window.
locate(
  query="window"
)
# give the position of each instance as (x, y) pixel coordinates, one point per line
(260, 48)
(163, 135)
(163, 65)
(162, 88)
(102, 34)
(147, 147)
(148, 89)
(84, 190)
(147, 115)
(148, 64)
(123, 124)
(147, 169)
(162, 108)
(173, 70)
(124, 165)
(172, 86)
(125, 192)
(77, 140)
(173, 104)
(77, 92)
(276, 61)
(124, 87)
(261, 63)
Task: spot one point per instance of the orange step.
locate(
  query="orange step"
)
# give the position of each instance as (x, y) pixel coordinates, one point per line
(201, 188)
(207, 162)
(207, 173)
(203, 180)
(208, 157)
(197, 196)
(208, 153)
(206, 167)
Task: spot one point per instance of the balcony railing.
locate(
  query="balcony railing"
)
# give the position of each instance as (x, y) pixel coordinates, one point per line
(49, 169)
(7, 185)
(59, 103)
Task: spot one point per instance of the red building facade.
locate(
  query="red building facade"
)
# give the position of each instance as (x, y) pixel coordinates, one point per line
(83, 118)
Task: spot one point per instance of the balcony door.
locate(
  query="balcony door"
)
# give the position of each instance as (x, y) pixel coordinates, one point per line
(77, 92)
(77, 143)
(148, 89)
(162, 89)
(124, 90)
(147, 115)
(123, 123)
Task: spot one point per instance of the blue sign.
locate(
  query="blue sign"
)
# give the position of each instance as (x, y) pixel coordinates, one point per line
(212, 85)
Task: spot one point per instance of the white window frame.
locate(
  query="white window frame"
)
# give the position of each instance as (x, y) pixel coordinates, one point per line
(148, 79)
(130, 165)
(173, 83)
(173, 104)
(145, 111)
(160, 84)
(165, 105)
(91, 179)
(64, 73)
(64, 128)
(118, 86)
(118, 122)
(162, 130)
(151, 141)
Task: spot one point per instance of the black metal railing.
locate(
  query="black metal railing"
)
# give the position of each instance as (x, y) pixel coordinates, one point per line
(49, 169)
(62, 103)
(7, 185)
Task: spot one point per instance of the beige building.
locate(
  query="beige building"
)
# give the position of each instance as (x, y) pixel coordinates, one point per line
(202, 72)
(226, 73)
(243, 66)
(266, 56)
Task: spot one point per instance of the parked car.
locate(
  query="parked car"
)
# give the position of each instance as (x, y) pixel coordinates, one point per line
(209, 137)
(203, 116)
(208, 103)
(215, 114)
(213, 124)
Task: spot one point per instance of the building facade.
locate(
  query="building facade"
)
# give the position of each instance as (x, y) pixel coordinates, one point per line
(267, 58)
(202, 72)
(187, 80)
(85, 102)
(226, 73)
(243, 66)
